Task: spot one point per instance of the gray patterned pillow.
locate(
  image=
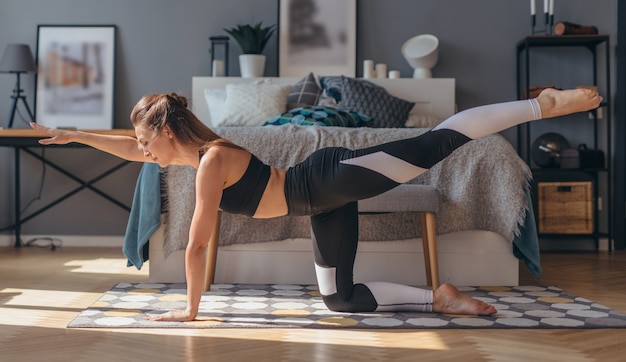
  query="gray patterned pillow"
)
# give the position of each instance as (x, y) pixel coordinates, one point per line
(304, 93)
(364, 97)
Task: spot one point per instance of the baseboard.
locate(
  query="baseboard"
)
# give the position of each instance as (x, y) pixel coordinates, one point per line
(573, 245)
(114, 241)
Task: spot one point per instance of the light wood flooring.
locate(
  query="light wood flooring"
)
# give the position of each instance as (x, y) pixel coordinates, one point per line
(41, 290)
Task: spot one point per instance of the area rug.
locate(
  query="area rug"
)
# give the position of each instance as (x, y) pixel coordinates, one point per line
(300, 306)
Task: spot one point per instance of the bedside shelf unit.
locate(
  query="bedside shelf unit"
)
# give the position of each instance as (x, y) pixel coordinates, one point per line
(597, 176)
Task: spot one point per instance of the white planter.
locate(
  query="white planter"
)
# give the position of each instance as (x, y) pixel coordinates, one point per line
(251, 65)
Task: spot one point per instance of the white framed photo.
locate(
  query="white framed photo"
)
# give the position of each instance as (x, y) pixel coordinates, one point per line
(75, 76)
(317, 36)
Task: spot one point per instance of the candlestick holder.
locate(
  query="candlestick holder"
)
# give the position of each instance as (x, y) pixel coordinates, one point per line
(548, 24)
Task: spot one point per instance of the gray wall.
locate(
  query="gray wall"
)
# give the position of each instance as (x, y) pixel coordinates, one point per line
(162, 44)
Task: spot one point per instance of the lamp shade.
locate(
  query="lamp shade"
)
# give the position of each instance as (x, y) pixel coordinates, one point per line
(17, 58)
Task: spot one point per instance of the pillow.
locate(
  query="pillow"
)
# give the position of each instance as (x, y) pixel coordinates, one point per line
(420, 119)
(365, 97)
(320, 116)
(253, 104)
(304, 93)
(216, 102)
(331, 90)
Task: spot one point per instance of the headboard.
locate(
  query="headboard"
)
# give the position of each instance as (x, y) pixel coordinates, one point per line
(433, 96)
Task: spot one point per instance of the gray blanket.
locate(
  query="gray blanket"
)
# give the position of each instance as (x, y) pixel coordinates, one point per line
(483, 186)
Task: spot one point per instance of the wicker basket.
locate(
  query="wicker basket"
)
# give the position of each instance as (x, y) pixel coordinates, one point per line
(565, 207)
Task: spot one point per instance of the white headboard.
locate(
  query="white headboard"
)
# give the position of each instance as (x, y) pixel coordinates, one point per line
(433, 96)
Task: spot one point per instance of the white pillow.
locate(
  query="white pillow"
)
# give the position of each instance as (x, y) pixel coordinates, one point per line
(216, 102)
(419, 117)
(253, 104)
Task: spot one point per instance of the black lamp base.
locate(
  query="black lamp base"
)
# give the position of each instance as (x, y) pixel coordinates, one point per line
(17, 95)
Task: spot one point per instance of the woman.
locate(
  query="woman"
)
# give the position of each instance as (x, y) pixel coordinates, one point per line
(231, 178)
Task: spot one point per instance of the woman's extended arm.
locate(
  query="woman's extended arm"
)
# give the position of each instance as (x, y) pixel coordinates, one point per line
(121, 146)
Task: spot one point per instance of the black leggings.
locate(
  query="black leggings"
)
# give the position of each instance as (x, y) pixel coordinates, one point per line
(328, 184)
(327, 188)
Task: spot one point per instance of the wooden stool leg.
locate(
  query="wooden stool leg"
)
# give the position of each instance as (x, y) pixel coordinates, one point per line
(429, 242)
(211, 254)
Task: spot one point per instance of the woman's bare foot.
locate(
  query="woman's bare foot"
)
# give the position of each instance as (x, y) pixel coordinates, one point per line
(554, 102)
(448, 299)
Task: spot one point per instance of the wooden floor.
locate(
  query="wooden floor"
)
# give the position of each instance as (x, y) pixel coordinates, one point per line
(41, 290)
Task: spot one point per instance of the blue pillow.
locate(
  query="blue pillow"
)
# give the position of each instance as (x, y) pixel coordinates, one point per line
(331, 87)
(319, 116)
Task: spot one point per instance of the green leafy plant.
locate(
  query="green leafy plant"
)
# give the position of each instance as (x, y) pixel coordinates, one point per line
(252, 38)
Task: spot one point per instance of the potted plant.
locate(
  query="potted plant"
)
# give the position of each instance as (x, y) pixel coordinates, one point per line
(252, 39)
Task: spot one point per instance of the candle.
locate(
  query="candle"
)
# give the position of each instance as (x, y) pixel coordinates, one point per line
(532, 7)
(545, 6)
(217, 68)
(551, 11)
(381, 70)
(368, 69)
(394, 74)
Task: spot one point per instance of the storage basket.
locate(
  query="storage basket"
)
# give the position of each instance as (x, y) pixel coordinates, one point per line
(565, 207)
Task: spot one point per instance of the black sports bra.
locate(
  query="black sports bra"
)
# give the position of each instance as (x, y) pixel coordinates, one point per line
(244, 196)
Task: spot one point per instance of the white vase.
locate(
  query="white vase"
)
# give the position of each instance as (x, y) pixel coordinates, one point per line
(251, 65)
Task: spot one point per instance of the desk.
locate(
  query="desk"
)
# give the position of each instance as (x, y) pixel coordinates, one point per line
(23, 139)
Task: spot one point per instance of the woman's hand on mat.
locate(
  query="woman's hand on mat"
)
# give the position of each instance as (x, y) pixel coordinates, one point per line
(181, 315)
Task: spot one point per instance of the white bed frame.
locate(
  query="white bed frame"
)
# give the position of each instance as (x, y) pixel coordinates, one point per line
(465, 258)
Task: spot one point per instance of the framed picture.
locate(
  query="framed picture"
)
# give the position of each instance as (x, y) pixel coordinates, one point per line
(317, 36)
(75, 77)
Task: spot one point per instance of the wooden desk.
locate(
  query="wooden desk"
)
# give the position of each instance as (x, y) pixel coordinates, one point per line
(23, 139)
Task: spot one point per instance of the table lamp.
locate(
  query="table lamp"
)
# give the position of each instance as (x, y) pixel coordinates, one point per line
(18, 59)
(422, 53)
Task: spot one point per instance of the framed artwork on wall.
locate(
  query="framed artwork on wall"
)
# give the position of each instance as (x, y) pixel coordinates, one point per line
(75, 77)
(317, 36)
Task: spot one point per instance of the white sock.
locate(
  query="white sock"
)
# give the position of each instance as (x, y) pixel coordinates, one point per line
(492, 118)
(397, 297)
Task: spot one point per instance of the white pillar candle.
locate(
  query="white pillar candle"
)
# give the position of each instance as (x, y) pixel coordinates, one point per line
(368, 69)
(394, 74)
(532, 7)
(217, 68)
(381, 70)
(545, 6)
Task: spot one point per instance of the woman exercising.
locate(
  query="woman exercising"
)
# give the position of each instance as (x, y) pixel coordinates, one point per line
(323, 186)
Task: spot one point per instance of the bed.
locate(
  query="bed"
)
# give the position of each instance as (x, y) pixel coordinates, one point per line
(477, 244)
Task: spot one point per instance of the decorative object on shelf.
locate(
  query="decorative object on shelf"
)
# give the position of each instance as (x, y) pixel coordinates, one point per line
(547, 148)
(567, 28)
(590, 158)
(219, 60)
(422, 53)
(394, 74)
(548, 16)
(252, 39)
(381, 70)
(582, 157)
(18, 59)
(317, 36)
(76, 76)
(570, 159)
(368, 69)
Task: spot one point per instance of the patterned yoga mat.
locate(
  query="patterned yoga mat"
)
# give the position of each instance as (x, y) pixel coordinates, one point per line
(300, 306)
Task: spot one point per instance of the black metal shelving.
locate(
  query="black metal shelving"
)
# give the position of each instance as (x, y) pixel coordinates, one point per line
(595, 44)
